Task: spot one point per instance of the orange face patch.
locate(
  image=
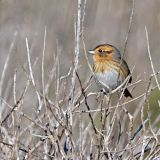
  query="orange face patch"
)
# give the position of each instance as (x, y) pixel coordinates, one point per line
(100, 58)
(103, 53)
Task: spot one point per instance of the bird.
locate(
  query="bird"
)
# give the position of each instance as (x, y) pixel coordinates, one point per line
(109, 68)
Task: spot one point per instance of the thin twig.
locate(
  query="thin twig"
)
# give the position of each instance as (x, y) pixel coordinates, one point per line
(86, 103)
(150, 58)
(43, 58)
(31, 76)
(130, 25)
(6, 62)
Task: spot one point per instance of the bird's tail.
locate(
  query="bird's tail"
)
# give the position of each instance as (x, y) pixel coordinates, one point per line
(127, 93)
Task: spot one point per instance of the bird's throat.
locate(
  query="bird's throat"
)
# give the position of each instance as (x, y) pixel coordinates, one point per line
(102, 66)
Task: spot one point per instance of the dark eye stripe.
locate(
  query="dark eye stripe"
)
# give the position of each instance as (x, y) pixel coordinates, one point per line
(109, 51)
(101, 51)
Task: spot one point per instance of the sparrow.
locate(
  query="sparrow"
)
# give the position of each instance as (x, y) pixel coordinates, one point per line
(110, 69)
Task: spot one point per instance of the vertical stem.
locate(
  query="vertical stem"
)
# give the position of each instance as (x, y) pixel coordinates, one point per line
(76, 59)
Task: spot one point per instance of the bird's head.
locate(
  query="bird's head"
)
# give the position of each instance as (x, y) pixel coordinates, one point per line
(105, 52)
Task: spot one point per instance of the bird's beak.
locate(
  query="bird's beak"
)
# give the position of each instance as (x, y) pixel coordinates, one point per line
(91, 52)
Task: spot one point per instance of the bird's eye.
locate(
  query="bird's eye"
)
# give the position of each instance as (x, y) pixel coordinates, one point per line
(109, 51)
(100, 51)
